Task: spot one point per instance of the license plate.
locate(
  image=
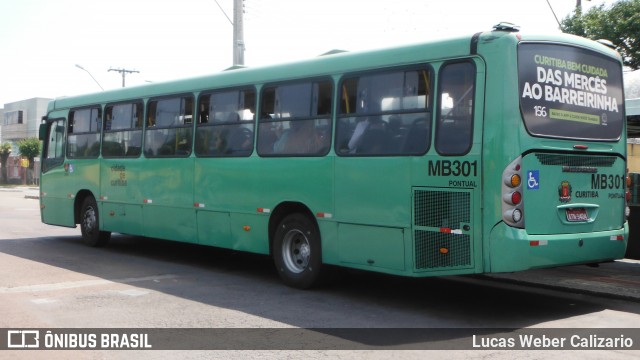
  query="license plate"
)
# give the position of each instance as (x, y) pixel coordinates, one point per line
(577, 215)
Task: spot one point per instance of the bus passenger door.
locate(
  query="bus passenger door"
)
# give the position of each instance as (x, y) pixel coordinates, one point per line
(55, 203)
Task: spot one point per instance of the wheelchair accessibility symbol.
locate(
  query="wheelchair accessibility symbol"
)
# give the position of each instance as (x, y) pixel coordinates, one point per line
(533, 180)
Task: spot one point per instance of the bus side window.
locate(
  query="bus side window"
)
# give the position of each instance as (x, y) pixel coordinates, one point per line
(385, 114)
(122, 130)
(296, 119)
(455, 113)
(84, 133)
(226, 122)
(169, 131)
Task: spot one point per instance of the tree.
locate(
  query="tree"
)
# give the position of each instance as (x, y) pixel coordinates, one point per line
(619, 24)
(5, 151)
(30, 148)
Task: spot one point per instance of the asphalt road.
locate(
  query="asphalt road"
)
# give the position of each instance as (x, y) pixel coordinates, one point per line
(51, 280)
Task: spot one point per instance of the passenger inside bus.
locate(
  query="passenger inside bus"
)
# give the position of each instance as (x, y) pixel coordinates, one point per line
(302, 138)
(369, 136)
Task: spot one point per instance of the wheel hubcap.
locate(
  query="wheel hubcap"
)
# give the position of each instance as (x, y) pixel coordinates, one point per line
(296, 251)
(89, 220)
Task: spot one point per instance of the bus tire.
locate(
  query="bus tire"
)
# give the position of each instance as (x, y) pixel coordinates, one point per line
(90, 224)
(297, 252)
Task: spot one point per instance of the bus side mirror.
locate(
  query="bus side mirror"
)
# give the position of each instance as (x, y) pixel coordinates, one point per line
(42, 134)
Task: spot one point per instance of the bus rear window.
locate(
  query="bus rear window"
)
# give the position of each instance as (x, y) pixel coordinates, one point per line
(570, 92)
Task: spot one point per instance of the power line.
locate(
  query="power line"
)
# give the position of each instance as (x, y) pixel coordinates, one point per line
(225, 14)
(554, 15)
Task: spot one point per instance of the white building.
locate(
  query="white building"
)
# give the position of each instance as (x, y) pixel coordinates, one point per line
(20, 120)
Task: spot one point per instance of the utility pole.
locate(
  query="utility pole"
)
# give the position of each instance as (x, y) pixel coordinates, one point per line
(124, 72)
(238, 33)
(579, 6)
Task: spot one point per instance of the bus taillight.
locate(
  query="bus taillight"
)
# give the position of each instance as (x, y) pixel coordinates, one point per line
(512, 202)
(515, 180)
(516, 197)
(516, 215)
(512, 198)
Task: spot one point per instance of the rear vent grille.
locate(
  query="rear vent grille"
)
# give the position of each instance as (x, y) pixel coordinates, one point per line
(441, 208)
(435, 210)
(429, 243)
(576, 160)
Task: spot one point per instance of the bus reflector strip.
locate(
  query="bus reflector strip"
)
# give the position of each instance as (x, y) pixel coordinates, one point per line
(451, 231)
(324, 215)
(147, 201)
(538, 242)
(198, 205)
(617, 238)
(263, 210)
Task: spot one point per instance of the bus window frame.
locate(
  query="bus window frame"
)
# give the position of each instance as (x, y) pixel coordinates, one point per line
(98, 130)
(141, 129)
(262, 119)
(428, 112)
(438, 110)
(225, 124)
(147, 127)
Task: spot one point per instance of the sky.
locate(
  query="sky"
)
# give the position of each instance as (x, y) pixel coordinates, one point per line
(42, 41)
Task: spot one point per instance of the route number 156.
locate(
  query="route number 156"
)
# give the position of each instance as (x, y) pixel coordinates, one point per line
(540, 111)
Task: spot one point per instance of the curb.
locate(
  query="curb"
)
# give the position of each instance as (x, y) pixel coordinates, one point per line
(618, 279)
(558, 287)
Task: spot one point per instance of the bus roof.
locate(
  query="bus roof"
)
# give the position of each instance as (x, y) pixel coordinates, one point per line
(324, 65)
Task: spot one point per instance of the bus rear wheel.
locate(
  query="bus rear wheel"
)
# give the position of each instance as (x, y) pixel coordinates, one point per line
(297, 252)
(90, 224)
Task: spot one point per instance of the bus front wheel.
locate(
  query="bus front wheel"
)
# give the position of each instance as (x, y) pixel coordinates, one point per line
(90, 224)
(297, 252)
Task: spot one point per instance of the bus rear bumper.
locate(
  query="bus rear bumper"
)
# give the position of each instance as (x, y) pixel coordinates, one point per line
(512, 249)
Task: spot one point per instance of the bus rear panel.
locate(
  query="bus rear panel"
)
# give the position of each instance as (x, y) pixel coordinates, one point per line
(564, 195)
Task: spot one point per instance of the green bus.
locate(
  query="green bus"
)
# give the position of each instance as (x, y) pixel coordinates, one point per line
(495, 152)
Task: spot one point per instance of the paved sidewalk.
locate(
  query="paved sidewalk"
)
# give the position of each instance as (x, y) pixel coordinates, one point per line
(619, 279)
(30, 191)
